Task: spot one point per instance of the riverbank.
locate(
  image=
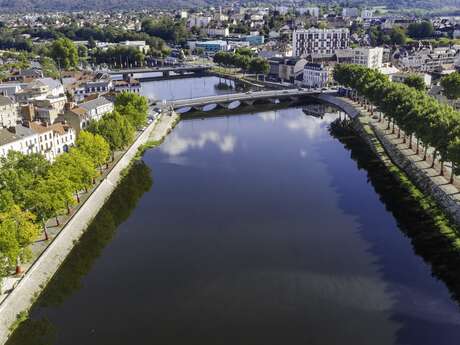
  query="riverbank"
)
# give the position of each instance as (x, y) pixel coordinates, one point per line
(434, 194)
(14, 307)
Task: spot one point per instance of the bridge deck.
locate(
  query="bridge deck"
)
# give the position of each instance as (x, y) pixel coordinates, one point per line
(248, 96)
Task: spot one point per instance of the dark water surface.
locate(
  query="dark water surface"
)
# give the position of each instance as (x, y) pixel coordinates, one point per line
(252, 229)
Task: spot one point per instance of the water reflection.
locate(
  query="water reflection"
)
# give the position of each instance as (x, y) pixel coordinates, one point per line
(177, 144)
(68, 279)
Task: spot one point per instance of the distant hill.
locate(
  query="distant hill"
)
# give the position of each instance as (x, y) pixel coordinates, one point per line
(76, 5)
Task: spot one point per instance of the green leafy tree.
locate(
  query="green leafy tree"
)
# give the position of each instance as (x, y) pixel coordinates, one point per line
(64, 52)
(115, 129)
(94, 146)
(416, 82)
(420, 30)
(451, 85)
(134, 107)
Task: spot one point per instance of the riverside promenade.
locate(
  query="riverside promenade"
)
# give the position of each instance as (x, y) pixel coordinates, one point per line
(21, 298)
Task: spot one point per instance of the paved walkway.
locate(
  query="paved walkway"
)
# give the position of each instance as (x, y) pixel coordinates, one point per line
(442, 182)
(40, 272)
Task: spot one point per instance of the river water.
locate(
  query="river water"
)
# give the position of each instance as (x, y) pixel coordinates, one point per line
(259, 228)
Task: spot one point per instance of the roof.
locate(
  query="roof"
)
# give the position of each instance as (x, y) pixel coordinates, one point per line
(95, 103)
(20, 132)
(40, 128)
(5, 101)
(50, 82)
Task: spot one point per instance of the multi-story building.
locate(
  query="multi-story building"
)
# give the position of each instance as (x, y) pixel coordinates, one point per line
(52, 139)
(9, 112)
(315, 75)
(218, 32)
(48, 109)
(319, 42)
(350, 12)
(26, 141)
(311, 11)
(80, 116)
(369, 57)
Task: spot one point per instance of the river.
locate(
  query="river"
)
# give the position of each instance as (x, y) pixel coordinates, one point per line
(259, 228)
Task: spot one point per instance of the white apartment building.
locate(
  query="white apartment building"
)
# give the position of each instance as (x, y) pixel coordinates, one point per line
(369, 57)
(9, 112)
(350, 12)
(52, 140)
(315, 75)
(199, 21)
(217, 32)
(142, 46)
(319, 42)
(25, 142)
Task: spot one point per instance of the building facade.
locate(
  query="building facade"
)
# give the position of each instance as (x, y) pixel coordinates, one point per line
(319, 42)
(315, 75)
(9, 112)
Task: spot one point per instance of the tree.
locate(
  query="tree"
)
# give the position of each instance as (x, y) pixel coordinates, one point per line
(420, 30)
(416, 82)
(94, 147)
(134, 107)
(115, 129)
(398, 36)
(17, 231)
(259, 66)
(64, 52)
(451, 85)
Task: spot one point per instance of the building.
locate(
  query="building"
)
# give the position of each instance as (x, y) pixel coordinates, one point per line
(311, 11)
(319, 43)
(429, 60)
(286, 69)
(367, 14)
(369, 57)
(350, 12)
(217, 32)
(401, 77)
(255, 40)
(199, 21)
(9, 112)
(315, 75)
(209, 46)
(25, 142)
(48, 109)
(142, 46)
(9, 89)
(80, 116)
(52, 139)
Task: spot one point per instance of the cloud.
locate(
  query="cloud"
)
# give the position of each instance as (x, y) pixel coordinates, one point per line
(311, 126)
(177, 145)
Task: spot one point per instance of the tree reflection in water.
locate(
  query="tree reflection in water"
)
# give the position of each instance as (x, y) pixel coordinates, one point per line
(420, 227)
(79, 262)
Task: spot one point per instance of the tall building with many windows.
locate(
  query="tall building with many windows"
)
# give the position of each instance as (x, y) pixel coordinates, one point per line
(319, 42)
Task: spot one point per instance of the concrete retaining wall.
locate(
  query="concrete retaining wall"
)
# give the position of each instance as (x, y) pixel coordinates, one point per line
(36, 278)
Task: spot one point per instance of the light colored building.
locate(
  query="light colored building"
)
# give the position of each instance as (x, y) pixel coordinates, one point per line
(401, 77)
(26, 141)
(315, 75)
(319, 42)
(52, 139)
(350, 12)
(80, 116)
(217, 32)
(367, 14)
(209, 46)
(286, 69)
(9, 112)
(369, 57)
(199, 21)
(142, 46)
(48, 109)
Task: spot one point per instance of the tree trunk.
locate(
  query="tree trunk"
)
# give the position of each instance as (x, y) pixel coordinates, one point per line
(417, 146)
(388, 125)
(57, 221)
(393, 130)
(442, 168)
(46, 232)
(78, 196)
(434, 158)
(452, 174)
(425, 148)
(410, 141)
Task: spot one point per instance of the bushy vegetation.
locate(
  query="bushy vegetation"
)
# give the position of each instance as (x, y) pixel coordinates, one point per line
(244, 59)
(33, 190)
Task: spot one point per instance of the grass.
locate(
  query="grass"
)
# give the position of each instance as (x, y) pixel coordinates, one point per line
(427, 203)
(20, 318)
